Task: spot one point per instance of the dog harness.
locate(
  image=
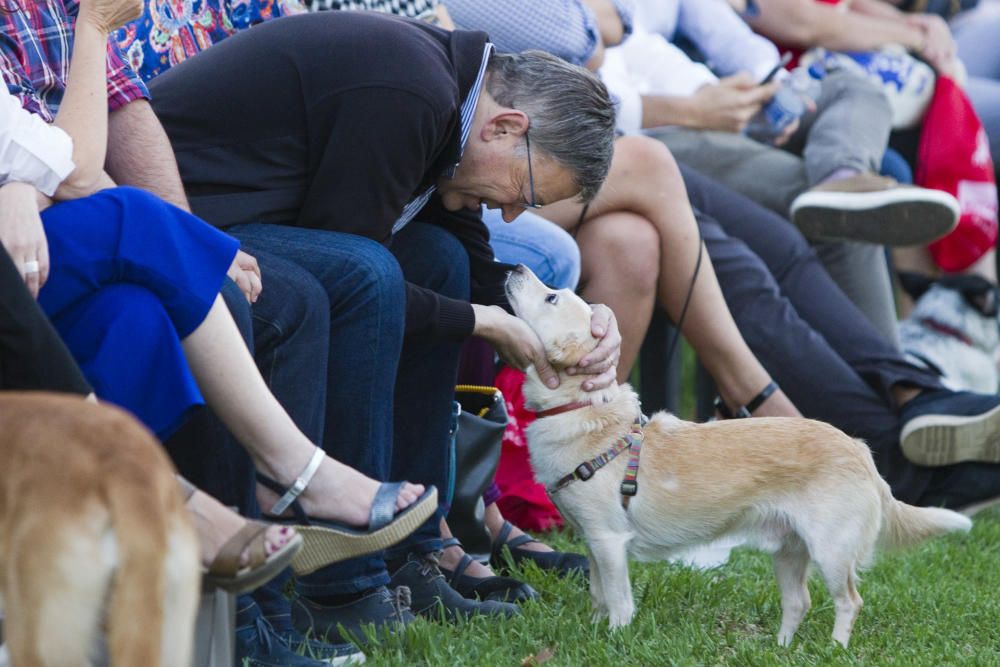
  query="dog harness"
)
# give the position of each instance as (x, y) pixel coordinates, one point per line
(632, 442)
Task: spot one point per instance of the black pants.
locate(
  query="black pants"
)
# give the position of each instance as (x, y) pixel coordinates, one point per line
(821, 350)
(32, 356)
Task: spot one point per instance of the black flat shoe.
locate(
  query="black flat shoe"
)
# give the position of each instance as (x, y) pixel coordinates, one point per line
(433, 598)
(500, 589)
(563, 563)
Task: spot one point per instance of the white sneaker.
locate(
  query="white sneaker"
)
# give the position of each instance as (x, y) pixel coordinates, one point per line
(948, 334)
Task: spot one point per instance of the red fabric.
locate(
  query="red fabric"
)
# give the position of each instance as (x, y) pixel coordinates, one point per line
(954, 156)
(524, 501)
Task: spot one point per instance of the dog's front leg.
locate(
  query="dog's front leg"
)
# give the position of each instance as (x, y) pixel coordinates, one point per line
(598, 602)
(609, 554)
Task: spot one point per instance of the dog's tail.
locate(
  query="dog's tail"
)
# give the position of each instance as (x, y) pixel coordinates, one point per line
(154, 594)
(905, 525)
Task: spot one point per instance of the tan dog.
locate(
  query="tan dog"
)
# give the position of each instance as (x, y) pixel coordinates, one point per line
(798, 489)
(91, 520)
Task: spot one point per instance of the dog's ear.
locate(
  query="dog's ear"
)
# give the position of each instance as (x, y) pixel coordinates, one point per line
(914, 284)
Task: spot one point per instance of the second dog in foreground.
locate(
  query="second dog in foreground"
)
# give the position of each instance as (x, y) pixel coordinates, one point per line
(796, 488)
(93, 532)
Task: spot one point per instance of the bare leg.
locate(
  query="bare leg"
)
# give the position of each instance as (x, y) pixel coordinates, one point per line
(645, 181)
(621, 262)
(233, 387)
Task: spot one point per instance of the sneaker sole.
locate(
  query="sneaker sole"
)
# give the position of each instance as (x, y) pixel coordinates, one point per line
(976, 508)
(324, 546)
(891, 217)
(938, 440)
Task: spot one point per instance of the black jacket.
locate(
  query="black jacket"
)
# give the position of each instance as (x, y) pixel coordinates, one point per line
(335, 121)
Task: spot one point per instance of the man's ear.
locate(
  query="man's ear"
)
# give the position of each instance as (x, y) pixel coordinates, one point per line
(505, 122)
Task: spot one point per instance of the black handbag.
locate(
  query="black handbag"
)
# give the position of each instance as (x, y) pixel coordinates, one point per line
(482, 419)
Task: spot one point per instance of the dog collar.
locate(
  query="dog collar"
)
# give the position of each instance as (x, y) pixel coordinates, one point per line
(558, 410)
(629, 486)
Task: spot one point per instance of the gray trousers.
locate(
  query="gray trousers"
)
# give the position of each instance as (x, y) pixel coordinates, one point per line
(849, 129)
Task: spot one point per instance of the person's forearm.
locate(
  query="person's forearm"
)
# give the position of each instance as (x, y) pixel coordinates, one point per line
(139, 154)
(83, 113)
(805, 23)
(877, 8)
(659, 110)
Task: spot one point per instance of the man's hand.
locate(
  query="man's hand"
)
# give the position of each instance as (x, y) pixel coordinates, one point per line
(246, 274)
(730, 104)
(22, 234)
(939, 46)
(514, 341)
(602, 361)
(109, 15)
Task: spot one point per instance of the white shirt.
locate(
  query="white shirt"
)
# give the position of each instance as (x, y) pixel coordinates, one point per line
(647, 63)
(31, 150)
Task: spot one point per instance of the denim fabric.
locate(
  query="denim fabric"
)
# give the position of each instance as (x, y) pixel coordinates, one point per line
(832, 364)
(425, 384)
(362, 295)
(544, 247)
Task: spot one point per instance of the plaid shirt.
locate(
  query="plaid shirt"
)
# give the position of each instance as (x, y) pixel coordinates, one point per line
(36, 41)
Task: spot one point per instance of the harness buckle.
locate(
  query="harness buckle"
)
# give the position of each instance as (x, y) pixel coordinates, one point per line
(629, 487)
(584, 471)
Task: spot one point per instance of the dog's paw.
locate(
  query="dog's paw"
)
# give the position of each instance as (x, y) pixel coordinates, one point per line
(619, 618)
(598, 614)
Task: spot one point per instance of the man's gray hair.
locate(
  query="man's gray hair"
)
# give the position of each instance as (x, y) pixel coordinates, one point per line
(571, 114)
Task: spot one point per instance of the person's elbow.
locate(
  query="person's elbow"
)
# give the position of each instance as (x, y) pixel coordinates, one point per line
(82, 182)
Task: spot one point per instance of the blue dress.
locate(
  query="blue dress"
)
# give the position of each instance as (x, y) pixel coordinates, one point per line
(131, 276)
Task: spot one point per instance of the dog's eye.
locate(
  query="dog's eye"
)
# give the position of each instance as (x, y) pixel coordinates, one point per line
(552, 298)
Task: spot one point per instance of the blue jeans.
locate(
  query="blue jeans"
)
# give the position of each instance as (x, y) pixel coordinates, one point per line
(362, 298)
(542, 246)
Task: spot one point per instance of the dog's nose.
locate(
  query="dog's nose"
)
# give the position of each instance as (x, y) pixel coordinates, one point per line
(520, 268)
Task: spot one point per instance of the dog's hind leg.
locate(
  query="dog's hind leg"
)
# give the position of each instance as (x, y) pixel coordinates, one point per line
(608, 553)
(791, 567)
(840, 578)
(55, 590)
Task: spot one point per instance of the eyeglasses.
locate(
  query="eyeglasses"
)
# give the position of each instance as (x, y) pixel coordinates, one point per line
(533, 203)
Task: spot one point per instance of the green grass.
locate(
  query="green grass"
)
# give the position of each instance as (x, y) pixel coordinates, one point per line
(938, 604)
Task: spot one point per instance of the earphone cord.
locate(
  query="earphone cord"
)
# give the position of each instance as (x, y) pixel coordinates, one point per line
(687, 299)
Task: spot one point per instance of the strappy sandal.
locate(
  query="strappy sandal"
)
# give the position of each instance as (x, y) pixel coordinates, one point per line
(563, 563)
(327, 542)
(501, 589)
(228, 573)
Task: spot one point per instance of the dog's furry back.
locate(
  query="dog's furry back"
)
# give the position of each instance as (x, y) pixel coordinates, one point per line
(91, 519)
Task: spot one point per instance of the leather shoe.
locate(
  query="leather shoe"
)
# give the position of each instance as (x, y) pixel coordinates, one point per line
(388, 610)
(501, 589)
(563, 563)
(433, 598)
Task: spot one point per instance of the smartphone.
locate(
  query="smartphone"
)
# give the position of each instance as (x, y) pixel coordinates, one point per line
(785, 59)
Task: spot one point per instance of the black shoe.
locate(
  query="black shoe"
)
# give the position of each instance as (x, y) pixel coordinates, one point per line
(388, 610)
(563, 563)
(258, 645)
(501, 589)
(943, 427)
(432, 597)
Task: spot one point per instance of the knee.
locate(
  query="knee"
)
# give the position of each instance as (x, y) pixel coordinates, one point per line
(646, 158)
(849, 88)
(625, 246)
(435, 259)
(378, 271)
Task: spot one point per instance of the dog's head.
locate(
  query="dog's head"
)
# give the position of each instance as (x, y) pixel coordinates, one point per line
(559, 318)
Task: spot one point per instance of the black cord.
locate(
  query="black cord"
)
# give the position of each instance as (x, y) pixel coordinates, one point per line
(687, 299)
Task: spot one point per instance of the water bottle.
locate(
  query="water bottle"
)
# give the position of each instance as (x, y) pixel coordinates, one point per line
(800, 88)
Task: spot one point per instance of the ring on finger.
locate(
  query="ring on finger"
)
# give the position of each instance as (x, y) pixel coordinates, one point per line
(31, 266)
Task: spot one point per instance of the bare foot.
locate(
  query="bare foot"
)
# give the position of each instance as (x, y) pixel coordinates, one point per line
(215, 524)
(337, 492)
(494, 523)
(452, 556)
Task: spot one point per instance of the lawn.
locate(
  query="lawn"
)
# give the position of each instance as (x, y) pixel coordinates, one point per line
(938, 604)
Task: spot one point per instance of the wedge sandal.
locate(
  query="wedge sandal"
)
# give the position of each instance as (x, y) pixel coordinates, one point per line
(327, 542)
(226, 572)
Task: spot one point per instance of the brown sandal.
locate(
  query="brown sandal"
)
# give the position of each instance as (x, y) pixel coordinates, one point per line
(226, 571)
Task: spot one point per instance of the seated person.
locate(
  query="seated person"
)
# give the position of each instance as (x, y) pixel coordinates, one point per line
(175, 266)
(431, 319)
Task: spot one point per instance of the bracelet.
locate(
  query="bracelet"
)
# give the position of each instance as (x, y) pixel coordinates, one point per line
(745, 411)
